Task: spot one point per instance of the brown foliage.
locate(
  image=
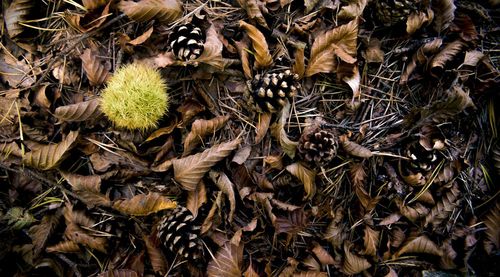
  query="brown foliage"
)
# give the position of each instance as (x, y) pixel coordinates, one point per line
(82, 111)
(46, 157)
(144, 204)
(164, 10)
(492, 222)
(97, 71)
(201, 128)
(263, 58)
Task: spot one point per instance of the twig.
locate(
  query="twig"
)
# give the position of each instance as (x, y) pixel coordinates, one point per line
(71, 264)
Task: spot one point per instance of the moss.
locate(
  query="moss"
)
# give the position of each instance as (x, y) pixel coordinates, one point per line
(135, 97)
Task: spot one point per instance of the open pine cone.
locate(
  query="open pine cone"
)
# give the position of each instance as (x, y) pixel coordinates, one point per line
(319, 147)
(187, 42)
(270, 92)
(180, 235)
(422, 159)
(390, 12)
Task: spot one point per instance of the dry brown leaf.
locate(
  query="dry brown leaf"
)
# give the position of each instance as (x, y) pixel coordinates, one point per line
(202, 128)
(78, 112)
(159, 61)
(189, 170)
(299, 66)
(417, 20)
(264, 120)
(443, 208)
(188, 110)
(196, 198)
(79, 21)
(144, 204)
(15, 14)
(310, 274)
(306, 176)
(445, 55)
(14, 72)
(156, 257)
(335, 232)
(374, 53)
(421, 244)
(165, 11)
(274, 161)
(473, 57)
(241, 156)
(142, 38)
(371, 241)
(88, 188)
(449, 255)
(77, 217)
(243, 47)
(212, 51)
(341, 41)
(349, 73)
(46, 157)
(210, 220)
(353, 264)
(97, 71)
(80, 236)
(94, 4)
(420, 57)
(444, 13)
(254, 10)
(263, 58)
(227, 262)
(492, 223)
(323, 256)
(250, 272)
(227, 187)
(354, 9)
(278, 131)
(355, 149)
(358, 174)
(65, 73)
(41, 232)
(397, 237)
(119, 273)
(64, 247)
(295, 222)
(413, 213)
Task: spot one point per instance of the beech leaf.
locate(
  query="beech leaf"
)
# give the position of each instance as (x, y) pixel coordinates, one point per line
(212, 50)
(263, 123)
(156, 257)
(306, 176)
(227, 187)
(50, 156)
(353, 264)
(201, 128)
(67, 246)
(444, 13)
(227, 262)
(96, 70)
(165, 11)
(492, 223)
(278, 131)
(371, 241)
(354, 9)
(196, 198)
(144, 204)
(119, 273)
(15, 14)
(81, 236)
(188, 171)
(41, 232)
(253, 10)
(417, 20)
(79, 112)
(420, 244)
(94, 4)
(446, 55)
(263, 58)
(16, 73)
(355, 149)
(88, 188)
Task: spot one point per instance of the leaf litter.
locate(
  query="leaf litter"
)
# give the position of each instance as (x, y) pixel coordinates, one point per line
(409, 97)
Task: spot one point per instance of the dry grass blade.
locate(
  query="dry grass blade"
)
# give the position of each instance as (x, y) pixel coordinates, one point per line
(46, 157)
(189, 170)
(447, 54)
(97, 71)
(421, 244)
(492, 223)
(79, 112)
(443, 208)
(444, 13)
(165, 11)
(306, 176)
(16, 13)
(263, 58)
(202, 128)
(227, 187)
(41, 232)
(227, 262)
(353, 9)
(144, 204)
(353, 264)
(64, 247)
(119, 273)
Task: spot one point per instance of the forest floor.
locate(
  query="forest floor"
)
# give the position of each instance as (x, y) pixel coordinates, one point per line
(302, 138)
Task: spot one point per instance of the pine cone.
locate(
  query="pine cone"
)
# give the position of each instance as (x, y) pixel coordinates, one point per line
(390, 12)
(269, 92)
(319, 146)
(187, 42)
(422, 159)
(180, 235)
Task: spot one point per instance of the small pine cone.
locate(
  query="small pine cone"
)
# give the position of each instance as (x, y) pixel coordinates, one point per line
(319, 147)
(187, 42)
(269, 92)
(390, 12)
(179, 234)
(422, 159)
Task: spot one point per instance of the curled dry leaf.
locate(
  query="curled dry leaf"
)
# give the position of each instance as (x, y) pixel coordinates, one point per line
(353, 9)
(97, 71)
(371, 241)
(227, 187)
(81, 236)
(390, 219)
(421, 244)
(274, 161)
(349, 73)
(492, 223)
(156, 257)
(144, 204)
(473, 57)
(335, 232)
(340, 41)
(165, 11)
(443, 208)
(444, 13)
(263, 58)
(119, 273)
(311, 273)
(323, 256)
(254, 10)
(46, 157)
(306, 176)
(202, 128)
(292, 224)
(67, 246)
(299, 66)
(15, 14)
(355, 149)
(278, 131)
(94, 4)
(189, 170)
(264, 120)
(79, 112)
(196, 198)
(76, 217)
(420, 57)
(243, 47)
(88, 188)
(250, 272)
(16, 73)
(142, 38)
(417, 20)
(41, 232)
(447, 54)
(353, 264)
(227, 262)
(212, 50)
(413, 213)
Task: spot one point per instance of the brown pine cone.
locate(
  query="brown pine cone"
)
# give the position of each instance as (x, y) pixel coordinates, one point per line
(270, 92)
(187, 42)
(318, 147)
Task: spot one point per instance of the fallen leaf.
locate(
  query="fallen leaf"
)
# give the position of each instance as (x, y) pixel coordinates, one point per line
(97, 71)
(14, 72)
(323, 256)
(227, 261)
(417, 20)
(119, 273)
(254, 10)
(492, 223)
(278, 132)
(196, 198)
(144, 204)
(299, 66)
(201, 128)
(443, 209)
(17, 13)
(353, 264)
(446, 55)
(81, 236)
(78, 112)
(373, 53)
(165, 11)
(46, 157)
(88, 188)
(142, 38)
(473, 57)
(156, 257)
(354, 9)
(421, 244)
(444, 13)
(94, 4)
(371, 241)
(212, 50)
(263, 58)
(306, 176)
(227, 187)
(41, 232)
(64, 247)
(263, 123)
(355, 149)
(421, 57)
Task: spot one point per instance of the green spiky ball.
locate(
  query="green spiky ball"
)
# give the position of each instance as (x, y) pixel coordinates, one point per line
(135, 97)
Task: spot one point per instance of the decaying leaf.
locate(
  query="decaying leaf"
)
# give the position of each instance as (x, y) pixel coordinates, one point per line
(212, 50)
(371, 241)
(119, 273)
(340, 41)
(447, 54)
(165, 11)
(353, 264)
(414, 212)
(492, 223)
(88, 188)
(264, 119)
(227, 262)
(47, 157)
(158, 260)
(417, 20)
(97, 71)
(144, 204)
(196, 198)
(226, 186)
(306, 176)
(41, 232)
(420, 244)
(94, 4)
(254, 10)
(444, 13)
(79, 112)
(15, 14)
(83, 237)
(421, 57)
(263, 58)
(323, 256)
(189, 170)
(374, 53)
(64, 247)
(16, 73)
(278, 131)
(443, 208)
(335, 232)
(354, 9)
(292, 224)
(299, 66)
(201, 128)
(473, 57)
(355, 149)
